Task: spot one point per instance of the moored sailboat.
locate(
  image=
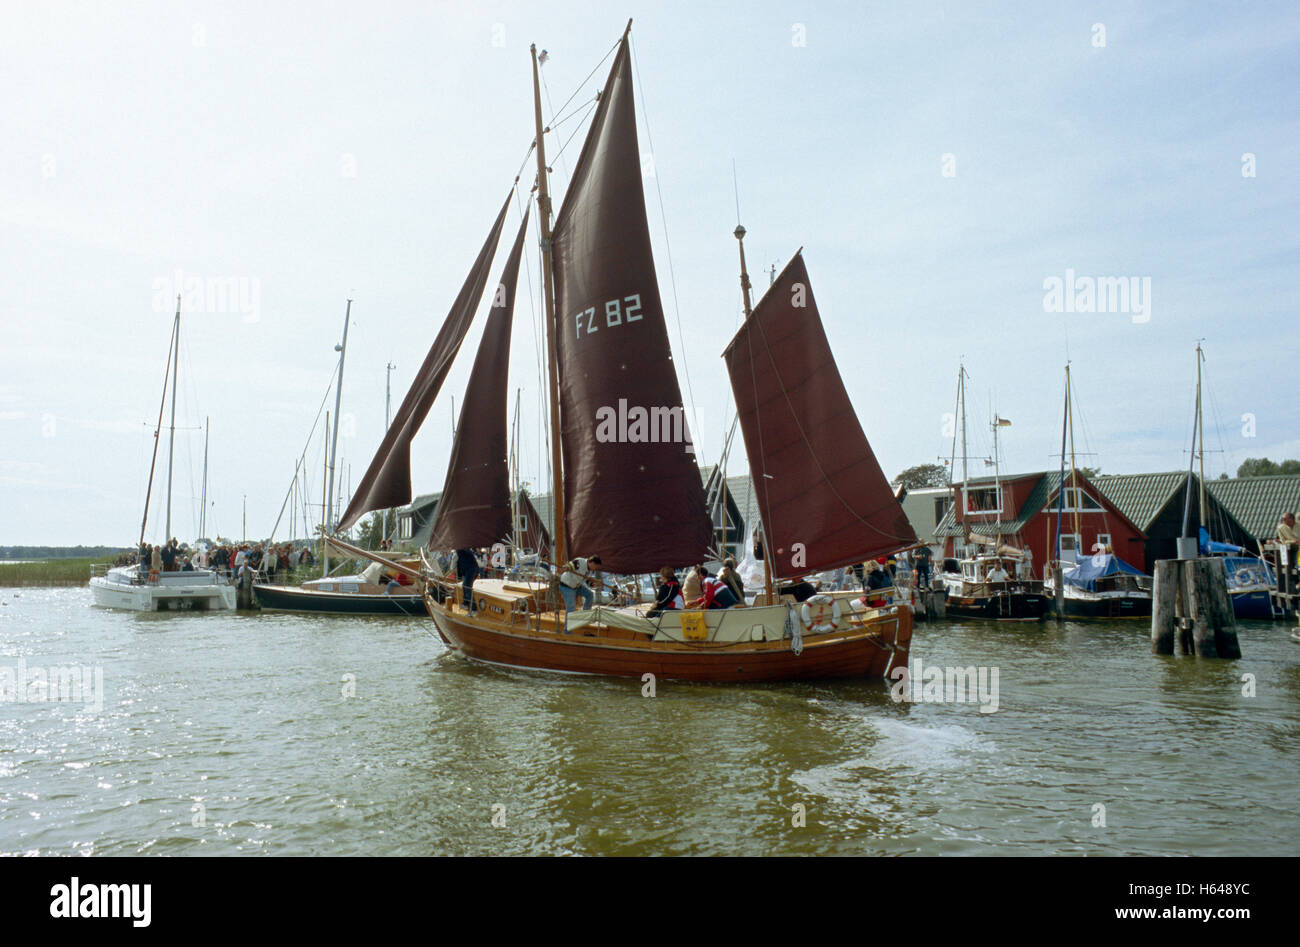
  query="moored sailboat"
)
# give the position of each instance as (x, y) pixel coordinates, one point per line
(138, 587)
(1099, 586)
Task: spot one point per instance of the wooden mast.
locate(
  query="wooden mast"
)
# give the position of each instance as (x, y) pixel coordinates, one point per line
(739, 234)
(558, 532)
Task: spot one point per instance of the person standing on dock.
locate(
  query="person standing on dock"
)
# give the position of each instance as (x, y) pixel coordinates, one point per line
(921, 560)
(1288, 536)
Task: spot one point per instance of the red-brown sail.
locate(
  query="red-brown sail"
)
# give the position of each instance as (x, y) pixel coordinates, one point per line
(632, 490)
(474, 509)
(387, 482)
(823, 498)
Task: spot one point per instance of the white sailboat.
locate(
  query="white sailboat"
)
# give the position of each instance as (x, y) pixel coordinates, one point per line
(137, 587)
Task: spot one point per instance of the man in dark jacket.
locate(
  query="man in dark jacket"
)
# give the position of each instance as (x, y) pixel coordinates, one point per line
(467, 569)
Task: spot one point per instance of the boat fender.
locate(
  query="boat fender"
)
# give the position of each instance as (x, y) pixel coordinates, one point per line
(816, 621)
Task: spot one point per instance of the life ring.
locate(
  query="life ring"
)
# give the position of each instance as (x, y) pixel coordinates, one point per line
(1248, 576)
(816, 622)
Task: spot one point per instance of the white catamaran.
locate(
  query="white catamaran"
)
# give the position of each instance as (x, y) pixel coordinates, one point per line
(138, 587)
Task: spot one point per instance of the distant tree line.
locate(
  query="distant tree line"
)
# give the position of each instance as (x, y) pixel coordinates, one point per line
(59, 552)
(1263, 467)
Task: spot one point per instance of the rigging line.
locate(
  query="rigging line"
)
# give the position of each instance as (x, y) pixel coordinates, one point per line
(672, 275)
(557, 122)
(591, 107)
(547, 90)
(523, 164)
(581, 84)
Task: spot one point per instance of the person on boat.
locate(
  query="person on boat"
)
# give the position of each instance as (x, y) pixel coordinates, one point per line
(693, 587)
(168, 555)
(878, 576)
(155, 562)
(729, 575)
(801, 590)
(189, 565)
(573, 581)
(717, 594)
(668, 596)
(997, 576)
(467, 569)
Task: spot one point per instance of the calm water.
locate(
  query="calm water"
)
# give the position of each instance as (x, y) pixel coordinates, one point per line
(229, 734)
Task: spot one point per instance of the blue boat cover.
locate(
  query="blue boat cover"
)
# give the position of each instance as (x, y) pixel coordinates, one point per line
(1210, 548)
(1086, 573)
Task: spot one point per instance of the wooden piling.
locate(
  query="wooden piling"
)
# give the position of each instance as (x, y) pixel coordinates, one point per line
(1058, 583)
(1164, 606)
(1191, 612)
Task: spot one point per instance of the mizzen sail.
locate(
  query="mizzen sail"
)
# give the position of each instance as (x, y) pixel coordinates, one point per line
(823, 498)
(474, 509)
(632, 490)
(387, 481)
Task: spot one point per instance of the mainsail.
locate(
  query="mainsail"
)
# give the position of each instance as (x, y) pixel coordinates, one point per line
(822, 496)
(474, 509)
(632, 490)
(387, 482)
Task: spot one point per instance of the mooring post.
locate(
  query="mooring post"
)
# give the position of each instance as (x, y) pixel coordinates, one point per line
(1164, 606)
(1190, 609)
(1058, 583)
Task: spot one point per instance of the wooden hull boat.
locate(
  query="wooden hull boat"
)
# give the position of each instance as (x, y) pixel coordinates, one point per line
(510, 633)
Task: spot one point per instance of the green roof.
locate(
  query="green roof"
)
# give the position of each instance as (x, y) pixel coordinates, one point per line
(1141, 497)
(1258, 503)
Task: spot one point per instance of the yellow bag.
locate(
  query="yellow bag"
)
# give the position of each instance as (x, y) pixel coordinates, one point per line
(693, 626)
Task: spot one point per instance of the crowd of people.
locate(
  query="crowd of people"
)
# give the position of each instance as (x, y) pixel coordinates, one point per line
(242, 562)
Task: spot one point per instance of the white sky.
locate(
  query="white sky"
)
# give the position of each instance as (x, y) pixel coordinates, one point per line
(362, 150)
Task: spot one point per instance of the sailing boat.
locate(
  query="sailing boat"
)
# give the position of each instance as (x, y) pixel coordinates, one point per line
(630, 491)
(137, 587)
(371, 591)
(981, 585)
(1102, 585)
(1251, 580)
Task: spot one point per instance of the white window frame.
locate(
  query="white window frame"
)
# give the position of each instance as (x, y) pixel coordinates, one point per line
(969, 493)
(1072, 495)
